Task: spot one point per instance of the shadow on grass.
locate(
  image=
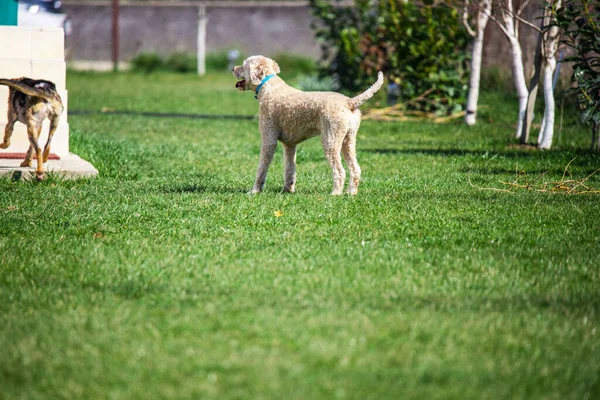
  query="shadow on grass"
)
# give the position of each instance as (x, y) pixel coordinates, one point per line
(203, 188)
(508, 153)
(455, 152)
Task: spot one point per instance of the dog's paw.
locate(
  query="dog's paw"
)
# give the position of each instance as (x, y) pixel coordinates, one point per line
(254, 191)
(39, 176)
(26, 163)
(4, 145)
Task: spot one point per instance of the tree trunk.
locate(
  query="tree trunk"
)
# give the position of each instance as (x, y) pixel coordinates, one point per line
(549, 56)
(509, 27)
(534, 84)
(483, 15)
(201, 54)
(595, 136)
(547, 129)
(520, 86)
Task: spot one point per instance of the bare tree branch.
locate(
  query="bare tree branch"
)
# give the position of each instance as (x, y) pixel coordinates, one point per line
(466, 19)
(518, 17)
(501, 26)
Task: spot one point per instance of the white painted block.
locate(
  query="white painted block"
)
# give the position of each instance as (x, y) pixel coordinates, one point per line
(14, 68)
(55, 71)
(3, 102)
(48, 44)
(19, 142)
(15, 42)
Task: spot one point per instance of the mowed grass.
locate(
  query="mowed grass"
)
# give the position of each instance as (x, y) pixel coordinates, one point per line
(162, 278)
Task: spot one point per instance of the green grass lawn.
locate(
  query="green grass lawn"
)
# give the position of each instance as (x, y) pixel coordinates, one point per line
(162, 278)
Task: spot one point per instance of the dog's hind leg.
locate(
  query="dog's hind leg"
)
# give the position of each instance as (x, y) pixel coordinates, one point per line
(332, 144)
(8, 130)
(289, 177)
(27, 161)
(33, 131)
(349, 153)
(53, 125)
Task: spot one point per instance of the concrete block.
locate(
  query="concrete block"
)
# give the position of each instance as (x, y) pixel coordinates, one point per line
(3, 103)
(55, 71)
(19, 141)
(70, 166)
(48, 44)
(14, 68)
(15, 42)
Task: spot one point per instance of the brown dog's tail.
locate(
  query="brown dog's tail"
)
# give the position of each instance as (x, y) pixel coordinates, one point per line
(48, 91)
(356, 102)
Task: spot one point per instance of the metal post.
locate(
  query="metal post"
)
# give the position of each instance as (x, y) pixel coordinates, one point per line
(202, 21)
(115, 35)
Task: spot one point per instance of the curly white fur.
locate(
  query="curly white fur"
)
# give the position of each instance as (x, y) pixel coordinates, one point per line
(291, 116)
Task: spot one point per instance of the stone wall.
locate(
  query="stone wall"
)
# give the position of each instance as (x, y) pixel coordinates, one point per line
(264, 30)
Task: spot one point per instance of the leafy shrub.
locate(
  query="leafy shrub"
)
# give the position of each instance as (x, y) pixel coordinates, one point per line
(580, 22)
(293, 64)
(218, 61)
(314, 83)
(420, 46)
(182, 62)
(179, 62)
(146, 62)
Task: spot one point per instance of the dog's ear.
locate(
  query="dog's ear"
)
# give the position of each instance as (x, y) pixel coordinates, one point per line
(257, 72)
(275, 67)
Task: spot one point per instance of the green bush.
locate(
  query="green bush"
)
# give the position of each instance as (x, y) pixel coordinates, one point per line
(182, 62)
(314, 83)
(290, 64)
(218, 61)
(146, 62)
(580, 23)
(293, 64)
(178, 62)
(421, 47)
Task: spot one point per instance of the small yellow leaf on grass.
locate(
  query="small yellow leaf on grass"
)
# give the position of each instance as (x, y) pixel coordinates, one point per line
(278, 213)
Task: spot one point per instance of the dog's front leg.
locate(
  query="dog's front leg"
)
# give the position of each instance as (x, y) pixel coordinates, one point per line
(267, 149)
(8, 130)
(289, 173)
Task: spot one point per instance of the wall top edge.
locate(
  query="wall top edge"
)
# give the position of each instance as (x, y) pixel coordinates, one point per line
(207, 4)
(29, 29)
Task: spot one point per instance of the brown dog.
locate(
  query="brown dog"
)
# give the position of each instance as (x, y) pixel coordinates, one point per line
(31, 101)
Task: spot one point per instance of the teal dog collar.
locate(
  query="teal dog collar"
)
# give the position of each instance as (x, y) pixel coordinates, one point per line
(265, 79)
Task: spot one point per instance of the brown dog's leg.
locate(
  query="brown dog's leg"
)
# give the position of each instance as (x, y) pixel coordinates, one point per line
(33, 130)
(8, 130)
(53, 125)
(27, 161)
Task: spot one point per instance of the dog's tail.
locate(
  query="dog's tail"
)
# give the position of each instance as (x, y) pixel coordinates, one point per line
(17, 84)
(356, 102)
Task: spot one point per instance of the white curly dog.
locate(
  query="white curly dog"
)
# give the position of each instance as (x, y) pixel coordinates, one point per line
(292, 116)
